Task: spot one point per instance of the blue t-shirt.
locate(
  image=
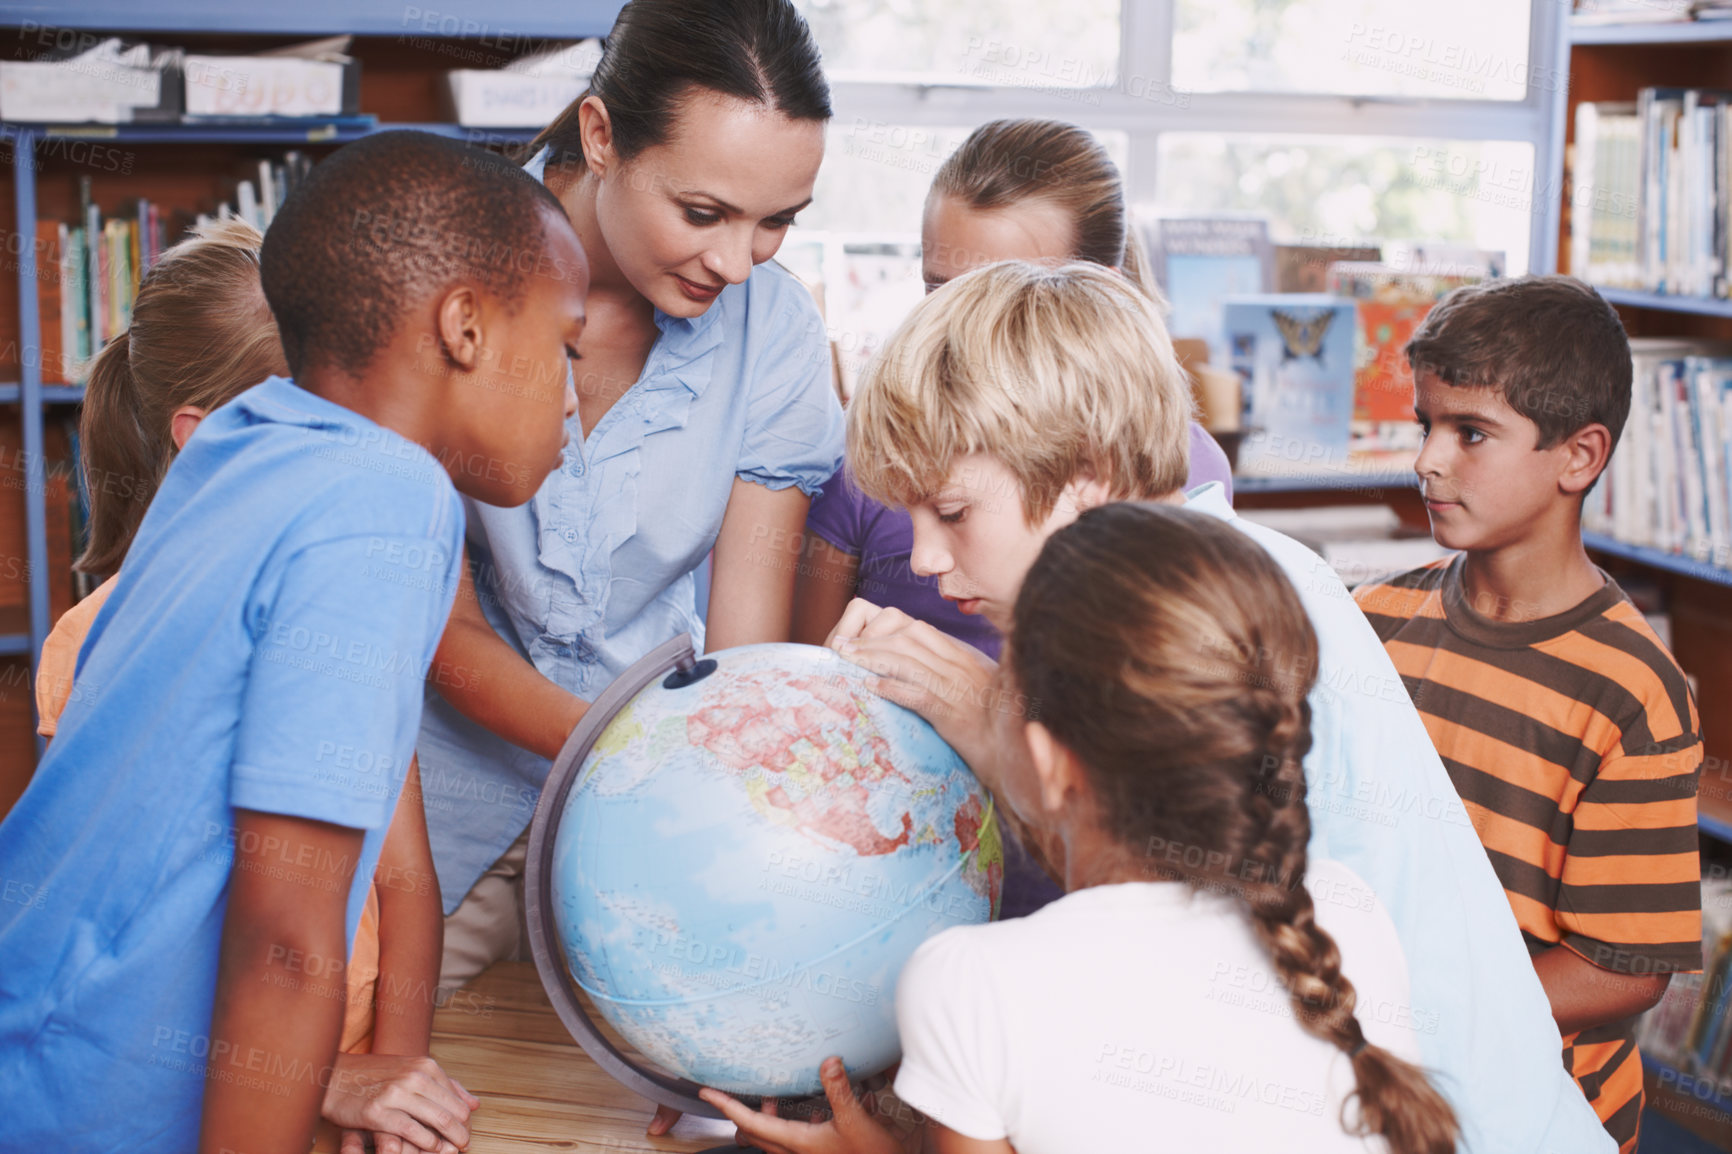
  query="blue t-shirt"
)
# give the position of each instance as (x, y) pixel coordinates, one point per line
(264, 649)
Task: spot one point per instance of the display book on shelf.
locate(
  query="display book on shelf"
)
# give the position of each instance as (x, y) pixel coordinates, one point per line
(1328, 392)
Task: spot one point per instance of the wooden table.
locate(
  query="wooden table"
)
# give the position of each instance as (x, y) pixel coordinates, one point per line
(539, 1091)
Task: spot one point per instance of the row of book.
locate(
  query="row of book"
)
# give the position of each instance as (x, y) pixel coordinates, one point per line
(1669, 483)
(1691, 1028)
(89, 269)
(1649, 206)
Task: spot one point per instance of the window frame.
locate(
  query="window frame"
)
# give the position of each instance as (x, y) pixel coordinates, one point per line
(1145, 67)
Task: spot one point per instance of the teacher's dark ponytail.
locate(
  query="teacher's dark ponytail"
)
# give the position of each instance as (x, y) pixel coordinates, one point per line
(660, 51)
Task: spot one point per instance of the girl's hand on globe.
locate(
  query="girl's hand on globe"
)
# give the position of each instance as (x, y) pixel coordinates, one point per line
(850, 1129)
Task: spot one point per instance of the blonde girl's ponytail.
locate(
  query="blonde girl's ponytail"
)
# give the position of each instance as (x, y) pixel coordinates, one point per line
(1180, 682)
(121, 461)
(201, 334)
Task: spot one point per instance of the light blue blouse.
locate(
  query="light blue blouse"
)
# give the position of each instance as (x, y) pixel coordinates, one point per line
(596, 570)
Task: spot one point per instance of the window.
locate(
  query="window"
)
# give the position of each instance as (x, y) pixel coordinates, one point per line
(1336, 119)
(1465, 49)
(1032, 43)
(1344, 190)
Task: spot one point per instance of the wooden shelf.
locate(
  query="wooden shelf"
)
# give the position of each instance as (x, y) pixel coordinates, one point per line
(51, 394)
(286, 131)
(1658, 559)
(1656, 32)
(496, 19)
(1325, 482)
(1714, 826)
(1667, 302)
(1669, 1073)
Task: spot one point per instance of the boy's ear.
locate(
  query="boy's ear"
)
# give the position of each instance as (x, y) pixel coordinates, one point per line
(1586, 452)
(1055, 767)
(1087, 490)
(459, 321)
(595, 130)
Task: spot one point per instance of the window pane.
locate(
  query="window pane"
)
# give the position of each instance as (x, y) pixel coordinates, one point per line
(1339, 190)
(1035, 43)
(1466, 49)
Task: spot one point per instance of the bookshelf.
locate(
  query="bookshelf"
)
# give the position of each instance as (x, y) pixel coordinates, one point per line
(1668, 303)
(404, 51)
(1611, 63)
(1324, 482)
(1661, 32)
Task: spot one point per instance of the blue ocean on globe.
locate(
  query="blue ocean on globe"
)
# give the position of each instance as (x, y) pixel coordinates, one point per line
(745, 864)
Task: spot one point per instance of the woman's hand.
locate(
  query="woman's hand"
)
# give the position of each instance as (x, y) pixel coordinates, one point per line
(407, 1104)
(850, 1129)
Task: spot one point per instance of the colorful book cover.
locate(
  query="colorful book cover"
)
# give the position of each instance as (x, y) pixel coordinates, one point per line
(50, 244)
(1382, 379)
(1304, 268)
(1200, 262)
(1294, 354)
(75, 298)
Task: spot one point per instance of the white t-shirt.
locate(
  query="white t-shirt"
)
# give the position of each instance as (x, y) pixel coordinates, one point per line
(1142, 1016)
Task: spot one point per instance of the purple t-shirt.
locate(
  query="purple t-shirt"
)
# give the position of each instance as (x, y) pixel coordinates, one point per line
(883, 539)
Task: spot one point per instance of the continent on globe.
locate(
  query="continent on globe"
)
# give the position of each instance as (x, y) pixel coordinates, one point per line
(823, 752)
(743, 864)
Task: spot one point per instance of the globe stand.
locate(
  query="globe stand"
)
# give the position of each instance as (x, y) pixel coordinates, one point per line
(673, 657)
(679, 664)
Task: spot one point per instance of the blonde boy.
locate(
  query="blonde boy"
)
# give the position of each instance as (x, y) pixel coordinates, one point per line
(1018, 396)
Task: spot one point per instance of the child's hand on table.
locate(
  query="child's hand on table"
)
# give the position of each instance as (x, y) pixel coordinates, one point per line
(948, 682)
(407, 1104)
(849, 1130)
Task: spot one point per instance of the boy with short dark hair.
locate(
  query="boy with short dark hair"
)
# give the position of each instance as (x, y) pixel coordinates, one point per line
(1567, 727)
(203, 832)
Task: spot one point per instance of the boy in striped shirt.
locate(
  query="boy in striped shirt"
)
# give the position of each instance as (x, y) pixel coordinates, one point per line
(1567, 727)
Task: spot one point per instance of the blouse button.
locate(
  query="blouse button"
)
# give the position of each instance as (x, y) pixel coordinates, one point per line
(568, 534)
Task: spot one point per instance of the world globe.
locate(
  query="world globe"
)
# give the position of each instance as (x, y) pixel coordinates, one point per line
(745, 858)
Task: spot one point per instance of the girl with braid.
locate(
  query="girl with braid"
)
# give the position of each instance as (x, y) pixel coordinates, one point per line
(1191, 990)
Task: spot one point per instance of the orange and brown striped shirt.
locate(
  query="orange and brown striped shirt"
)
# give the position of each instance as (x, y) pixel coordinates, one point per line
(1574, 743)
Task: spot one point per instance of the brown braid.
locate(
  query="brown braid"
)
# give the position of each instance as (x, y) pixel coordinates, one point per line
(1180, 679)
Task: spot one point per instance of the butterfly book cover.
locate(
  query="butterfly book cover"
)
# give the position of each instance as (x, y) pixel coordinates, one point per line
(1294, 354)
(1200, 262)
